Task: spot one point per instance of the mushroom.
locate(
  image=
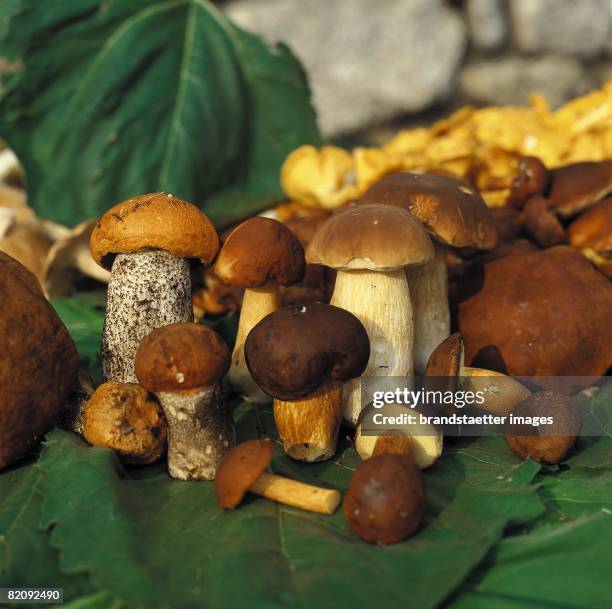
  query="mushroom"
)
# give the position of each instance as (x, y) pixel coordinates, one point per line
(128, 419)
(394, 443)
(259, 255)
(385, 500)
(243, 468)
(144, 242)
(549, 443)
(70, 416)
(300, 355)
(591, 233)
(369, 246)
(38, 364)
(531, 178)
(541, 223)
(456, 215)
(183, 364)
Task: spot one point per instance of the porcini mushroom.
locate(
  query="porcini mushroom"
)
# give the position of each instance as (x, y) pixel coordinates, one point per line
(183, 365)
(541, 223)
(301, 355)
(259, 255)
(455, 214)
(144, 242)
(369, 246)
(243, 468)
(531, 178)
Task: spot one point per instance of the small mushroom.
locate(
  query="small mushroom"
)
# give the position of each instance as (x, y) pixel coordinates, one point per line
(259, 255)
(242, 469)
(395, 443)
(385, 500)
(369, 246)
(546, 444)
(145, 242)
(301, 355)
(183, 365)
(541, 224)
(128, 419)
(531, 178)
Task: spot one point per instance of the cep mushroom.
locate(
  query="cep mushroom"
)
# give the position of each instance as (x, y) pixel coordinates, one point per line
(183, 365)
(370, 246)
(144, 242)
(301, 355)
(531, 179)
(456, 215)
(260, 255)
(243, 468)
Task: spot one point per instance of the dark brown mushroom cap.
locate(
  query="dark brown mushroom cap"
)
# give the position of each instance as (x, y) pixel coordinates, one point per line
(451, 210)
(239, 469)
(541, 223)
(156, 221)
(294, 350)
(547, 444)
(531, 178)
(579, 185)
(385, 500)
(370, 237)
(593, 229)
(544, 313)
(180, 357)
(260, 251)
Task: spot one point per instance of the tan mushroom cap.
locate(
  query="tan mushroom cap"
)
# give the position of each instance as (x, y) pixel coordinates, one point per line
(375, 237)
(447, 358)
(260, 251)
(449, 208)
(181, 357)
(239, 469)
(154, 221)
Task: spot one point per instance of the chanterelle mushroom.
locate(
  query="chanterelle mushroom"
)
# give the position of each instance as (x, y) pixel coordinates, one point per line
(300, 355)
(145, 242)
(259, 255)
(183, 365)
(369, 246)
(456, 215)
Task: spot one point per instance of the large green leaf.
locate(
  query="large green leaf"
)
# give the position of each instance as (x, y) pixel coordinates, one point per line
(105, 99)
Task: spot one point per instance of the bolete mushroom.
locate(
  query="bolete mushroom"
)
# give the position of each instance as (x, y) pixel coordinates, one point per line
(541, 223)
(260, 255)
(531, 179)
(385, 500)
(301, 355)
(183, 365)
(128, 419)
(370, 246)
(456, 215)
(145, 242)
(243, 468)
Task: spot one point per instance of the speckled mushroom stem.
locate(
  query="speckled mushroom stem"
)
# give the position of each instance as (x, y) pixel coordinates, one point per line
(200, 432)
(256, 304)
(146, 290)
(381, 301)
(429, 294)
(309, 427)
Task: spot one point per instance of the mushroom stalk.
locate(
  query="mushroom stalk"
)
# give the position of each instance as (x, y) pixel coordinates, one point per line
(429, 293)
(146, 290)
(200, 431)
(309, 427)
(381, 301)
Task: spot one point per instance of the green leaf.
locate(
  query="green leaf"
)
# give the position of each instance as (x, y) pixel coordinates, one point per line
(105, 99)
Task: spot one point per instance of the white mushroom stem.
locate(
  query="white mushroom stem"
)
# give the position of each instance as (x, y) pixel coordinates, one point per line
(200, 432)
(309, 427)
(429, 294)
(256, 304)
(381, 301)
(147, 290)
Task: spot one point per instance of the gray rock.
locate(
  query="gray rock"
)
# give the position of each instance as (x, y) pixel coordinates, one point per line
(487, 24)
(572, 27)
(367, 61)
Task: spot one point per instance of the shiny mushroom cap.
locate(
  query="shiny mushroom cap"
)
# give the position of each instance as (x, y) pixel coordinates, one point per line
(446, 359)
(531, 178)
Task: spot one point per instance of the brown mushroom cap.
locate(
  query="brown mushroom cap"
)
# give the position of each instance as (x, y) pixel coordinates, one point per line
(38, 364)
(239, 469)
(448, 208)
(531, 178)
(181, 357)
(294, 350)
(260, 251)
(385, 500)
(447, 358)
(370, 237)
(544, 313)
(547, 444)
(128, 419)
(541, 223)
(157, 221)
